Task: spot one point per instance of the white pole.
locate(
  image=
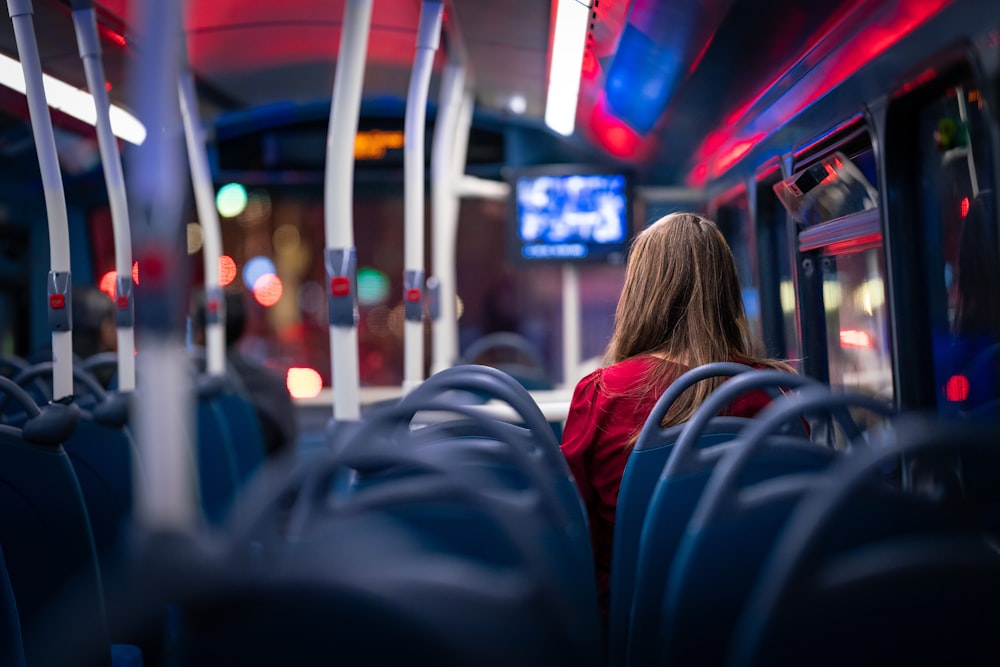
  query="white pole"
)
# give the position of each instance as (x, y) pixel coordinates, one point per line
(84, 18)
(571, 322)
(444, 221)
(60, 277)
(338, 196)
(208, 216)
(428, 37)
(168, 492)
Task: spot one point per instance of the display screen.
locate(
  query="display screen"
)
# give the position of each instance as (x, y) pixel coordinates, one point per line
(570, 217)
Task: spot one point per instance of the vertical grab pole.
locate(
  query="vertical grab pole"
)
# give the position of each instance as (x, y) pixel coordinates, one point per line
(208, 216)
(168, 496)
(60, 277)
(85, 22)
(338, 197)
(428, 38)
(571, 322)
(444, 219)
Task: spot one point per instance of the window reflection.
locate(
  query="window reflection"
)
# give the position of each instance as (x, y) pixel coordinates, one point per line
(960, 221)
(857, 323)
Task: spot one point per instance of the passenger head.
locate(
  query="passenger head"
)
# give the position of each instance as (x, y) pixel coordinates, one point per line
(682, 301)
(93, 322)
(235, 313)
(682, 296)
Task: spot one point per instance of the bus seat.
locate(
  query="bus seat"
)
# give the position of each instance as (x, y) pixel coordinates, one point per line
(643, 467)
(101, 450)
(745, 504)
(44, 526)
(674, 498)
(492, 383)
(11, 645)
(412, 532)
(218, 474)
(925, 569)
(245, 431)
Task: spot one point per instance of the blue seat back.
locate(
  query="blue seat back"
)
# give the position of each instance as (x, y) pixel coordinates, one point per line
(715, 565)
(245, 432)
(735, 524)
(674, 498)
(856, 549)
(645, 463)
(492, 383)
(11, 645)
(103, 457)
(44, 525)
(462, 531)
(218, 475)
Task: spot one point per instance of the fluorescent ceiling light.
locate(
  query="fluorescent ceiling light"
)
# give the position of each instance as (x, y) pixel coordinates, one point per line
(73, 102)
(572, 18)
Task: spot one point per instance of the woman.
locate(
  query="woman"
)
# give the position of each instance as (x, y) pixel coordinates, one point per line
(681, 307)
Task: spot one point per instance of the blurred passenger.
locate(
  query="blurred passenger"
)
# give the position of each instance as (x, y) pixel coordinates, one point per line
(93, 322)
(681, 307)
(263, 387)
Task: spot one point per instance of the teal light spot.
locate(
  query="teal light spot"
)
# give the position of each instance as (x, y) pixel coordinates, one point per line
(373, 286)
(231, 200)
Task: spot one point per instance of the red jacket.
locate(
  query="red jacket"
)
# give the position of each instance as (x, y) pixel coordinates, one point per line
(605, 411)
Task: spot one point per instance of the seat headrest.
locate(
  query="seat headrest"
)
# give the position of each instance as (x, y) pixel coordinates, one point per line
(53, 425)
(113, 410)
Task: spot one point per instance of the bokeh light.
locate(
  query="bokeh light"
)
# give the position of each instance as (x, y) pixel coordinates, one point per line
(303, 382)
(227, 270)
(108, 283)
(231, 200)
(268, 290)
(373, 286)
(312, 297)
(255, 268)
(286, 238)
(195, 237)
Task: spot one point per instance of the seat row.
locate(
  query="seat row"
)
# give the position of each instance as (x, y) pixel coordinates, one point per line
(747, 542)
(67, 486)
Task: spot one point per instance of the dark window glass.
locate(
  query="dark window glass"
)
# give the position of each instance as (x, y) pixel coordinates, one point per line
(959, 209)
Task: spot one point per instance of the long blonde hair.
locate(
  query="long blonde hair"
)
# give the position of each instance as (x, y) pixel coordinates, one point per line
(682, 302)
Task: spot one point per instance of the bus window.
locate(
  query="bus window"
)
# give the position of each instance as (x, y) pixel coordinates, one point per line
(733, 218)
(777, 290)
(857, 323)
(959, 210)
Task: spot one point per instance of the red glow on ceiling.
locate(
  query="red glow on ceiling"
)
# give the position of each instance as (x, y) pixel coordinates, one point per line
(590, 66)
(615, 136)
(865, 45)
(733, 155)
(699, 175)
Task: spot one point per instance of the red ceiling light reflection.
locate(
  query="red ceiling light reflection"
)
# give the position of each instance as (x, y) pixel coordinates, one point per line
(590, 66)
(863, 47)
(615, 136)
